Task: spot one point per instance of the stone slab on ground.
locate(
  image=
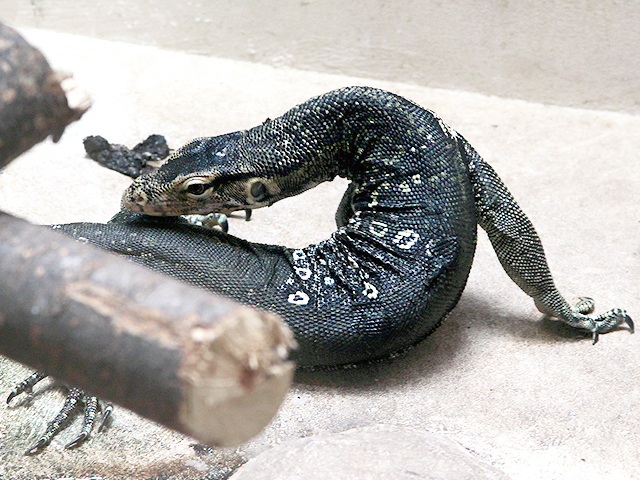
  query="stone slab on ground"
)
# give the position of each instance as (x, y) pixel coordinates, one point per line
(369, 453)
(526, 395)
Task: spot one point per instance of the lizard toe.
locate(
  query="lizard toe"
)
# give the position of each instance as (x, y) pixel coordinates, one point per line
(585, 305)
(610, 320)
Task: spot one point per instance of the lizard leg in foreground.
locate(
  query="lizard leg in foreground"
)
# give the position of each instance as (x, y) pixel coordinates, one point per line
(74, 397)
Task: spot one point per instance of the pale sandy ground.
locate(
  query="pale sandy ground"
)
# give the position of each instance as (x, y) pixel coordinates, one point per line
(523, 394)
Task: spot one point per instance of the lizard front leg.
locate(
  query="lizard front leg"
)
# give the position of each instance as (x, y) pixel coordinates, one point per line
(75, 396)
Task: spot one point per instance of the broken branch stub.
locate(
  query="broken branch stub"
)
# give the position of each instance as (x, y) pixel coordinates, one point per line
(195, 362)
(35, 101)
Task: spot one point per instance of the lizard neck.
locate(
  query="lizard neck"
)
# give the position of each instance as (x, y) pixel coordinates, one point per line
(386, 145)
(396, 154)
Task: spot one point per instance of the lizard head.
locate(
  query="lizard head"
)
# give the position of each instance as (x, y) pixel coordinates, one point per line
(207, 175)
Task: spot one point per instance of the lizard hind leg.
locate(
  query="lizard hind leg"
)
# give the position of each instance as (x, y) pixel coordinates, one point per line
(521, 254)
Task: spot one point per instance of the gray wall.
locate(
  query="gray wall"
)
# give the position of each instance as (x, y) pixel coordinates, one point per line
(583, 53)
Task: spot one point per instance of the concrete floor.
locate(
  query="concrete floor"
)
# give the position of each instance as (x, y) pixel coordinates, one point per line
(526, 395)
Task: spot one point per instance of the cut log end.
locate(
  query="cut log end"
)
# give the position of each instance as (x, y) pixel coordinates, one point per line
(235, 376)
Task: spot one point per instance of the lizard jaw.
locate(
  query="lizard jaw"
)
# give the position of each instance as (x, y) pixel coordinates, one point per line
(136, 200)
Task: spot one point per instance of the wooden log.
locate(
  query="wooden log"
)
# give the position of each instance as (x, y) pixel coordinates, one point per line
(35, 101)
(197, 363)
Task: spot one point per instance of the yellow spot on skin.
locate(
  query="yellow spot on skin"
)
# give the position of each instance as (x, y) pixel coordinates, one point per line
(405, 187)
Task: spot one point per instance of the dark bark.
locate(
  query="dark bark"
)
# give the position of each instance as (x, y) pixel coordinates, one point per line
(33, 98)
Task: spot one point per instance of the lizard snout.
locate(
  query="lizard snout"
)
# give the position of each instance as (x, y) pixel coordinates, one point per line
(135, 200)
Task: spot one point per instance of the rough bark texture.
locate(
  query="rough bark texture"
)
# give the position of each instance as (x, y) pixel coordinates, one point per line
(172, 353)
(33, 98)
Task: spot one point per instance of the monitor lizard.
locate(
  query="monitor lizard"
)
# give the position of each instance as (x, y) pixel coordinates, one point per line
(399, 259)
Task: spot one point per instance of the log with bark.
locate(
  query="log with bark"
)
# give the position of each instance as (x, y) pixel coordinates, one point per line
(192, 361)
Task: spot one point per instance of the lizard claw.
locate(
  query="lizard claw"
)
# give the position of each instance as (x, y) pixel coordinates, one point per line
(14, 393)
(90, 409)
(37, 447)
(76, 442)
(209, 221)
(106, 414)
(74, 397)
(629, 322)
(609, 320)
(26, 385)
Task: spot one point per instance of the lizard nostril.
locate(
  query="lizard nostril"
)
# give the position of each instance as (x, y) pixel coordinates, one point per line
(138, 198)
(135, 199)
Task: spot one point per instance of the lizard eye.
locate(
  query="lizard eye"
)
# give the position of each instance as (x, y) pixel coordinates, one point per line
(197, 188)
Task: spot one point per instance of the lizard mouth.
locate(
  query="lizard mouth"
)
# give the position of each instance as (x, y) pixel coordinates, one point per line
(138, 201)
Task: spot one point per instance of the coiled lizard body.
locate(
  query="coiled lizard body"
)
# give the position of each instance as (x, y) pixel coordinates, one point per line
(406, 235)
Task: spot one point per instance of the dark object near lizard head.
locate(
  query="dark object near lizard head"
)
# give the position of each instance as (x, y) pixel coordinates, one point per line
(130, 162)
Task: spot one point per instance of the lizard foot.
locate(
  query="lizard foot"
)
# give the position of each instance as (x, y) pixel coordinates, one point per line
(578, 316)
(608, 321)
(211, 220)
(74, 397)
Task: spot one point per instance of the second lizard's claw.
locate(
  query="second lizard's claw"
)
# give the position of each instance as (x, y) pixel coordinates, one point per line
(37, 447)
(209, 221)
(26, 385)
(106, 414)
(223, 222)
(73, 397)
(76, 442)
(91, 407)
